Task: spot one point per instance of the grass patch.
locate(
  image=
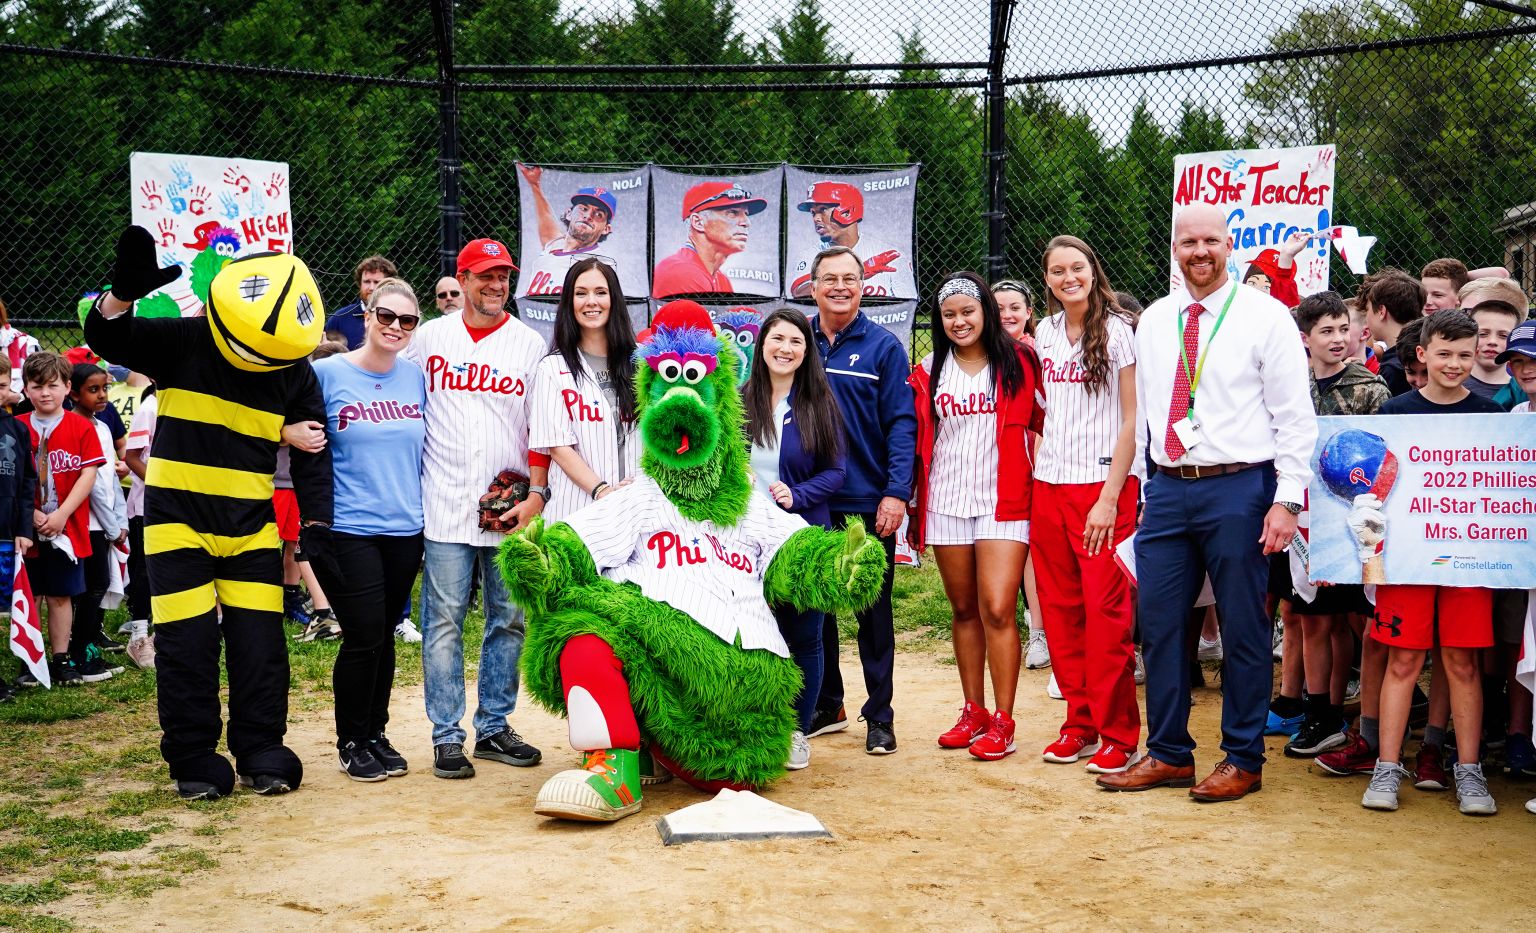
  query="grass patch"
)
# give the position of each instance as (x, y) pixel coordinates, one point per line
(23, 921)
(27, 894)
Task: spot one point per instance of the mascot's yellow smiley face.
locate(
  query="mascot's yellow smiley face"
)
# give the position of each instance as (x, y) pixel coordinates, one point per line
(265, 312)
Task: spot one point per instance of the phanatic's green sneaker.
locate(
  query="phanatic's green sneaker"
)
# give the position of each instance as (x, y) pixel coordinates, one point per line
(606, 788)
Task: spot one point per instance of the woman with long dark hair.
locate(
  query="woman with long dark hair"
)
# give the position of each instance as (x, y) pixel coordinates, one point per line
(795, 429)
(1085, 505)
(583, 409)
(977, 398)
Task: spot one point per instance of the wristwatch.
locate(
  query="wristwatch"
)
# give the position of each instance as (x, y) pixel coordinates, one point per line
(1293, 507)
(543, 491)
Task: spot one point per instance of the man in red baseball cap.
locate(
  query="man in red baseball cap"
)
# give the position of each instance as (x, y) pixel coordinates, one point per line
(719, 218)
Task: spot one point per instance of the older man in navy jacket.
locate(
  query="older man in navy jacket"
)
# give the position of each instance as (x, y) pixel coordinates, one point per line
(868, 370)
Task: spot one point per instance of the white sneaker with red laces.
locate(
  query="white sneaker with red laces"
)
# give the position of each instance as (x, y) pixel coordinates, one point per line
(1069, 748)
(1112, 759)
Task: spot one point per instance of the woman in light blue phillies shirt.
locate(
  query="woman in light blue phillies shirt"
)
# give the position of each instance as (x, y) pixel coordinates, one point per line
(374, 403)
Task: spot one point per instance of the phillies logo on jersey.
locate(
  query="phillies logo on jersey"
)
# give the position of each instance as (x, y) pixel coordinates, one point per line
(667, 544)
(577, 409)
(470, 377)
(972, 403)
(1070, 371)
(62, 461)
(376, 413)
(733, 559)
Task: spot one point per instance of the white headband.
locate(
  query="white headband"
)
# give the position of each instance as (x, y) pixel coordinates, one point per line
(958, 286)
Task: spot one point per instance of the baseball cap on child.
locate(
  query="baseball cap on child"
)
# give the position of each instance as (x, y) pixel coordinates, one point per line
(1522, 342)
(485, 254)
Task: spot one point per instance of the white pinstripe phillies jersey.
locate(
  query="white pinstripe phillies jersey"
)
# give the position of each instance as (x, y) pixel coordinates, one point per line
(713, 574)
(1080, 427)
(963, 478)
(565, 413)
(477, 418)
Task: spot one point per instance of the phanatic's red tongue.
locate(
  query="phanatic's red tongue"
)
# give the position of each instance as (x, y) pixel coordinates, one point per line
(683, 447)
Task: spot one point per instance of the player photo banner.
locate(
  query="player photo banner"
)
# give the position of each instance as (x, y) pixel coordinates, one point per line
(896, 317)
(203, 211)
(1424, 499)
(716, 233)
(568, 216)
(1267, 194)
(539, 314)
(871, 212)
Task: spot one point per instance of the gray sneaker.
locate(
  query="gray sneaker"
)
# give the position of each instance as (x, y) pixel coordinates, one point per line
(1382, 792)
(1472, 790)
(799, 752)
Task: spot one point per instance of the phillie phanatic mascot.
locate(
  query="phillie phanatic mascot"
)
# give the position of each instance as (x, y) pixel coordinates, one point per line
(228, 383)
(648, 612)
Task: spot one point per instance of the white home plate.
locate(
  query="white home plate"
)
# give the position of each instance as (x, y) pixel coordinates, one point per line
(737, 815)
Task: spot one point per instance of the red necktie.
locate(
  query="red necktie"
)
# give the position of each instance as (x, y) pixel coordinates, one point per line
(1179, 407)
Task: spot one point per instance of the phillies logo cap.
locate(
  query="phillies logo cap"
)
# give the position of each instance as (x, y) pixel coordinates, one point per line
(485, 254)
(837, 194)
(597, 197)
(716, 195)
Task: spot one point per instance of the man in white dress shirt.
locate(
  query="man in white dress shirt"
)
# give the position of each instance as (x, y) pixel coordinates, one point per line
(1228, 423)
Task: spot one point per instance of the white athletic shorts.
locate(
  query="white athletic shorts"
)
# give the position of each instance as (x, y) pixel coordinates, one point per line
(944, 529)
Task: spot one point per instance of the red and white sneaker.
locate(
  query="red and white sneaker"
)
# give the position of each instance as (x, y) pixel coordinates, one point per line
(998, 742)
(973, 723)
(1354, 757)
(1069, 748)
(1112, 759)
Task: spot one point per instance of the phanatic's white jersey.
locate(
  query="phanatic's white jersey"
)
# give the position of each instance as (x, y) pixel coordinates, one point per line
(711, 573)
(477, 418)
(568, 413)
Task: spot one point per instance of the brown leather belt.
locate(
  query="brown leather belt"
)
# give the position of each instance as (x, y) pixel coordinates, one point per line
(1205, 472)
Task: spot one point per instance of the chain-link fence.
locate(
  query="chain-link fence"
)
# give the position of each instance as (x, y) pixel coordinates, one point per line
(402, 123)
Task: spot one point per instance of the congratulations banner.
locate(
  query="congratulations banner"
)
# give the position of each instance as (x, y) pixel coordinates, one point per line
(1425, 499)
(1267, 194)
(571, 216)
(716, 233)
(871, 213)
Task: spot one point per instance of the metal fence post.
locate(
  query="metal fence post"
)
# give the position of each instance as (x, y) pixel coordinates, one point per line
(997, 141)
(448, 165)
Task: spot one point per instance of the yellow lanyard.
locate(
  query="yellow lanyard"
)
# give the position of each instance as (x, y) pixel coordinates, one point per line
(1194, 380)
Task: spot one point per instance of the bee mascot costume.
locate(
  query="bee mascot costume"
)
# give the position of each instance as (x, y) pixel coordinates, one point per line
(228, 383)
(648, 611)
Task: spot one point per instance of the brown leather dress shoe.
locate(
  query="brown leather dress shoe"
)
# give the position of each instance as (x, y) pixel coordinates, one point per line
(1147, 774)
(1227, 782)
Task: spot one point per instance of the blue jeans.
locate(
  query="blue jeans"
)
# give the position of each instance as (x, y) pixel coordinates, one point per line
(1188, 529)
(444, 601)
(802, 633)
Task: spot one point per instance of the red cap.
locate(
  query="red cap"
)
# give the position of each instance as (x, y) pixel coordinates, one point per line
(677, 315)
(78, 355)
(1268, 262)
(485, 254)
(839, 195)
(712, 195)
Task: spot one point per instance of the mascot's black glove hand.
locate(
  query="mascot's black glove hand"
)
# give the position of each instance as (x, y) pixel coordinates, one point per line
(136, 272)
(317, 546)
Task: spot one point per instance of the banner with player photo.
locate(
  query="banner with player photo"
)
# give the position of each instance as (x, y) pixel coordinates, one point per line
(716, 233)
(203, 211)
(539, 314)
(1267, 194)
(870, 212)
(1424, 499)
(895, 316)
(570, 216)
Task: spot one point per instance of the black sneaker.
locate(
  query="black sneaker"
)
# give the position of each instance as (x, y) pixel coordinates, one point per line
(197, 790)
(7, 692)
(1315, 737)
(357, 762)
(63, 673)
(104, 643)
(25, 680)
(392, 761)
(448, 761)
(94, 671)
(825, 721)
(266, 784)
(881, 739)
(508, 747)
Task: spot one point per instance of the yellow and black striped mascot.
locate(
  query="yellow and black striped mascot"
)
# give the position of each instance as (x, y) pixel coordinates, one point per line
(228, 382)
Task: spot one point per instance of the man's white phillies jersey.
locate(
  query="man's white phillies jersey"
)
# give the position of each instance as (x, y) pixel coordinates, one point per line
(713, 574)
(545, 272)
(566, 412)
(1081, 427)
(477, 418)
(963, 478)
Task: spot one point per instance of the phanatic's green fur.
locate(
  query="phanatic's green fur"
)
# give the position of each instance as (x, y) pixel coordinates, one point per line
(722, 712)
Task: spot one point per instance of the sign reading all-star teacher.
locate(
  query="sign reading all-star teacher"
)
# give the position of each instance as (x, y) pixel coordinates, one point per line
(1425, 499)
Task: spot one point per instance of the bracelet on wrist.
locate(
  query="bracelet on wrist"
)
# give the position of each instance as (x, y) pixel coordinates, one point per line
(601, 485)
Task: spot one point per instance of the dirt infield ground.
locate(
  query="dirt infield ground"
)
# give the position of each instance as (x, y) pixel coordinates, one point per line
(924, 838)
